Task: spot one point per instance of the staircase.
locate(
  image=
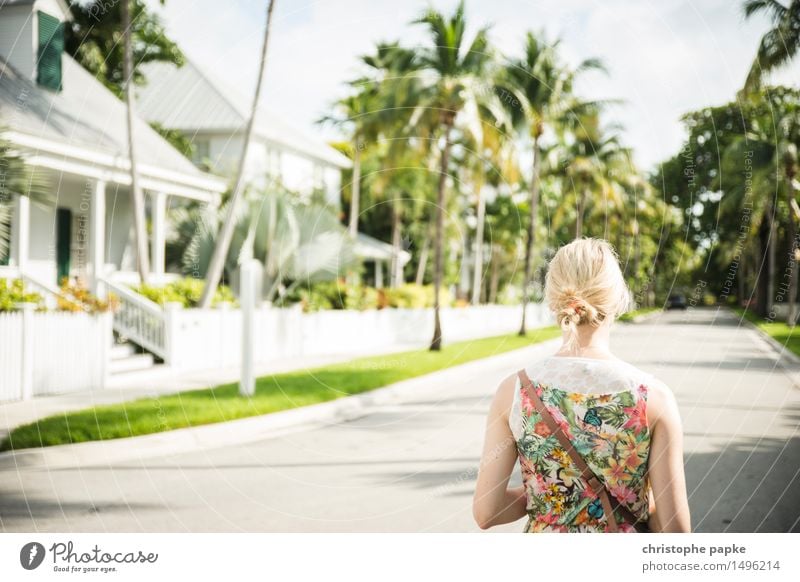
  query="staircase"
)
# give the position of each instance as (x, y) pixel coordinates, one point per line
(126, 358)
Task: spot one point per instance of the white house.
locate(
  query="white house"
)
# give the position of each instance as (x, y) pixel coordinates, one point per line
(73, 130)
(214, 117)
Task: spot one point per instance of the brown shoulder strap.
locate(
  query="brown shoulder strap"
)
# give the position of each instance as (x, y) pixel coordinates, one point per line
(595, 483)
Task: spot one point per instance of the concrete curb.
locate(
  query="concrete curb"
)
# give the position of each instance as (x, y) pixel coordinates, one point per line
(240, 431)
(788, 360)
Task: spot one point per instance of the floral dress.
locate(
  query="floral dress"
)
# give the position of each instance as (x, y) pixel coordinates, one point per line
(608, 428)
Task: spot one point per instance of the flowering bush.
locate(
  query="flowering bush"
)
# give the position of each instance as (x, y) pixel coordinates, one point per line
(75, 296)
(12, 293)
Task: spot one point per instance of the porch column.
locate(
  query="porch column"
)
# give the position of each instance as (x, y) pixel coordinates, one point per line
(158, 241)
(21, 226)
(97, 236)
(378, 274)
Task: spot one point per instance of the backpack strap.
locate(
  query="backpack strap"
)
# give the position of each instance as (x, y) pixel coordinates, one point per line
(608, 500)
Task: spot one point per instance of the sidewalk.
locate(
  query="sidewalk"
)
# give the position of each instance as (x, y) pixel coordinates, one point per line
(158, 381)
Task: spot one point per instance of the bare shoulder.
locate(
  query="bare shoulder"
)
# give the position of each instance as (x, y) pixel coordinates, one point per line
(662, 406)
(504, 395)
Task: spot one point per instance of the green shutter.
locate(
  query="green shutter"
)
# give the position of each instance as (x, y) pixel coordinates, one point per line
(51, 45)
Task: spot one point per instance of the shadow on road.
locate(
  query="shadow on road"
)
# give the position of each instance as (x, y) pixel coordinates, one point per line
(751, 485)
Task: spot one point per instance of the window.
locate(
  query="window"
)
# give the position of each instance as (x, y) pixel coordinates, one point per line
(51, 45)
(202, 151)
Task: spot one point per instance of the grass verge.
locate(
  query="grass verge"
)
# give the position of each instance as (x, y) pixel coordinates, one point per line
(631, 315)
(777, 330)
(273, 393)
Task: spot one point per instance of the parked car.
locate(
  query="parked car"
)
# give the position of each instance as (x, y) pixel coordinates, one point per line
(676, 301)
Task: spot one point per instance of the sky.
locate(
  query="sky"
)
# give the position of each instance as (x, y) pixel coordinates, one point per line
(664, 57)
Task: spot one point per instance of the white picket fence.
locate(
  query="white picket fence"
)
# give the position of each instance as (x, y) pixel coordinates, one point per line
(52, 353)
(209, 338)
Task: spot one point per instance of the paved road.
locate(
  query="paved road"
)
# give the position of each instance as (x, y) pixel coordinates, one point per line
(411, 466)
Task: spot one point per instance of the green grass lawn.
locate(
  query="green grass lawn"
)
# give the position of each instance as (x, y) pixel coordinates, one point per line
(777, 330)
(273, 393)
(628, 317)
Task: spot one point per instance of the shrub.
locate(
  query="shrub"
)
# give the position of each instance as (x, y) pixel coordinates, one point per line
(12, 292)
(333, 295)
(76, 297)
(412, 296)
(186, 291)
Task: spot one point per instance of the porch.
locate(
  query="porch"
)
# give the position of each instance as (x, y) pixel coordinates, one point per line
(87, 234)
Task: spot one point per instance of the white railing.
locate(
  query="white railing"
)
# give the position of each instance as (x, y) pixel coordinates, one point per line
(140, 320)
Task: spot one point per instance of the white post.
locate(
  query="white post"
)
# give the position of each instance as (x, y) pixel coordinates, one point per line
(249, 297)
(378, 274)
(172, 311)
(97, 237)
(21, 226)
(159, 233)
(26, 381)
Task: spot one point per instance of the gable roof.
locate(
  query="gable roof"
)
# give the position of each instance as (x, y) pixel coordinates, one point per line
(62, 5)
(91, 120)
(190, 100)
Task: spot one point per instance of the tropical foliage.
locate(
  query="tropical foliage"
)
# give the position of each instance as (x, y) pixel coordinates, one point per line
(297, 242)
(480, 164)
(93, 37)
(185, 291)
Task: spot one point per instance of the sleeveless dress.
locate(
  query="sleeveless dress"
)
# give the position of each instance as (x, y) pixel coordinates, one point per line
(601, 406)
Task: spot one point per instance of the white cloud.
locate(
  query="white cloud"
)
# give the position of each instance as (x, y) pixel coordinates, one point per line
(666, 57)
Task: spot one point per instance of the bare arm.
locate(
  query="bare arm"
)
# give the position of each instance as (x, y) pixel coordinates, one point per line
(666, 463)
(494, 503)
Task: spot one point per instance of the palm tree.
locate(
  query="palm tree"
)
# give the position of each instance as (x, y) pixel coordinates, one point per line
(780, 44)
(377, 112)
(789, 160)
(140, 228)
(355, 110)
(492, 165)
(593, 162)
(453, 78)
(223, 243)
(542, 87)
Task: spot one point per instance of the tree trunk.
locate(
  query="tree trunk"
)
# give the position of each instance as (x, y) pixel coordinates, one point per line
(759, 266)
(495, 280)
(477, 275)
(423, 260)
(637, 251)
(792, 315)
(438, 263)
(140, 228)
(530, 235)
(355, 188)
(742, 278)
(771, 263)
(582, 197)
(397, 271)
(766, 268)
(223, 243)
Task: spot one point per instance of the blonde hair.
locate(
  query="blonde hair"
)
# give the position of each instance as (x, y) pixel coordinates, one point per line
(584, 284)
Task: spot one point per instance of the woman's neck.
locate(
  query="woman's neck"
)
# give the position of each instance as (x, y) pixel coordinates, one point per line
(591, 342)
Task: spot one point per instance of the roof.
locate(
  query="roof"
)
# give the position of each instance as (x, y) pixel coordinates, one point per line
(90, 120)
(369, 248)
(65, 11)
(191, 100)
